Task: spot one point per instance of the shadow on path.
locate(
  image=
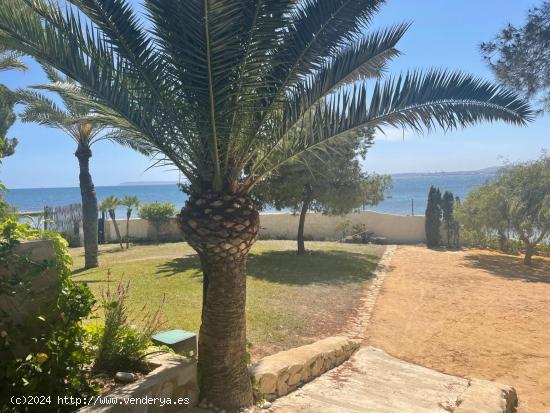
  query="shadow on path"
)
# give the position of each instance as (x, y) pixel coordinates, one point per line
(511, 267)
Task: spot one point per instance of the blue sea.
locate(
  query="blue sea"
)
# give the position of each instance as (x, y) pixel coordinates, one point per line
(407, 189)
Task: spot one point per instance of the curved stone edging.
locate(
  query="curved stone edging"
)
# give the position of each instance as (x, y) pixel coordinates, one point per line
(356, 325)
(283, 372)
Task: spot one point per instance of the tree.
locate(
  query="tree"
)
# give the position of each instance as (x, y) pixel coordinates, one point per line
(485, 214)
(110, 205)
(331, 182)
(433, 218)
(526, 187)
(517, 203)
(520, 56)
(76, 119)
(228, 92)
(131, 203)
(447, 211)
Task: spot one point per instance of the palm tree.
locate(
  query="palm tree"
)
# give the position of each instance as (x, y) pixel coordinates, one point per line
(227, 92)
(131, 203)
(75, 118)
(8, 61)
(110, 204)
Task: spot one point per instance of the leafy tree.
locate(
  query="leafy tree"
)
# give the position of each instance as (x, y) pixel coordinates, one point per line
(131, 203)
(484, 214)
(433, 218)
(331, 182)
(75, 117)
(110, 205)
(520, 56)
(526, 187)
(518, 202)
(228, 92)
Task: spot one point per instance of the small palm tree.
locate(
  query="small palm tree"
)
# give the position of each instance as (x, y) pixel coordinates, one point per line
(75, 118)
(131, 203)
(110, 204)
(227, 91)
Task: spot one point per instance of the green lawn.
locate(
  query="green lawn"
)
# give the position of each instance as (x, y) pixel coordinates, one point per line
(292, 300)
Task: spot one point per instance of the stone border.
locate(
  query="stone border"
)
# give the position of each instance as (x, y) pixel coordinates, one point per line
(482, 396)
(283, 372)
(356, 325)
(174, 378)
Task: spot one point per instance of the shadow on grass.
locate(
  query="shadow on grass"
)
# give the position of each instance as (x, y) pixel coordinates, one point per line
(317, 267)
(285, 267)
(511, 267)
(179, 265)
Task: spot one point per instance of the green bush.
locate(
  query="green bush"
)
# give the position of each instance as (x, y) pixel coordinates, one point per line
(118, 345)
(157, 212)
(56, 364)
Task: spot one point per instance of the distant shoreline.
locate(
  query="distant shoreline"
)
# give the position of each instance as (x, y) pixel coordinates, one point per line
(486, 171)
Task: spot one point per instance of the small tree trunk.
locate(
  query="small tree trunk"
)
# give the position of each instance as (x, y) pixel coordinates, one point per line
(128, 215)
(302, 222)
(222, 229)
(117, 230)
(301, 225)
(529, 252)
(502, 242)
(89, 207)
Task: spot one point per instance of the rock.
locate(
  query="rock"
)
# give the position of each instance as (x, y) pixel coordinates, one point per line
(268, 383)
(266, 405)
(282, 388)
(295, 379)
(125, 377)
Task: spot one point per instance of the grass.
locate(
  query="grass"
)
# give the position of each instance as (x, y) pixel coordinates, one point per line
(291, 300)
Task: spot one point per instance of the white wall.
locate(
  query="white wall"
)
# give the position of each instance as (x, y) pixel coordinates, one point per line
(395, 228)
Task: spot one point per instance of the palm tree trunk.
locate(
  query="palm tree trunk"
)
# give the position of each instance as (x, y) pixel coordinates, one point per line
(89, 207)
(117, 230)
(302, 222)
(222, 229)
(128, 215)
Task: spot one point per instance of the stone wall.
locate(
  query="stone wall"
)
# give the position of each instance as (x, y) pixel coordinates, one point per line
(399, 229)
(174, 379)
(18, 312)
(283, 372)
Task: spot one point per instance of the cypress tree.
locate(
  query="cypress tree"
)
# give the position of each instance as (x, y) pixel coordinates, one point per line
(433, 218)
(447, 207)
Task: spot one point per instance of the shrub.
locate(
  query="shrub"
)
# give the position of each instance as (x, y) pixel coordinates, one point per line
(118, 345)
(55, 364)
(157, 212)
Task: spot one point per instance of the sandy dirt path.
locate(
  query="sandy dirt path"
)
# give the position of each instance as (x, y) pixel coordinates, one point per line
(469, 313)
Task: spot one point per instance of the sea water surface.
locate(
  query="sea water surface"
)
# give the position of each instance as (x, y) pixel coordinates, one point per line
(407, 189)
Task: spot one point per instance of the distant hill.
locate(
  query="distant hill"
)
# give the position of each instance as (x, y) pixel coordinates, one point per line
(147, 183)
(492, 170)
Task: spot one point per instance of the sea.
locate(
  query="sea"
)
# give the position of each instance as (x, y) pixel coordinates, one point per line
(408, 196)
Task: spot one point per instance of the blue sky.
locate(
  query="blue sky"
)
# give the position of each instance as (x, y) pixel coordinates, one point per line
(444, 34)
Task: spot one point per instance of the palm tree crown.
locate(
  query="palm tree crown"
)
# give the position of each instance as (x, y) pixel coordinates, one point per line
(109, 203)
(229, 90)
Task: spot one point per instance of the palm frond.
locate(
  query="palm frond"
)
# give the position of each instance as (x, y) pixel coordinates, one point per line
(416, 100)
